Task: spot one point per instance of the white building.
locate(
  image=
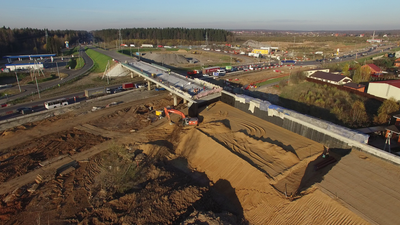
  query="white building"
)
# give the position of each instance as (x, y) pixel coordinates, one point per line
(385, 89)
(24, 66)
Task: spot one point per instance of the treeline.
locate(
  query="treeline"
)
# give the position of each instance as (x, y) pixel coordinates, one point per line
(329, 103)
(161, 35)
(33, 41)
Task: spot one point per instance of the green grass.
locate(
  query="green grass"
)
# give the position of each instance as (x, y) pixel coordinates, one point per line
(270, 81)
(52, 77)
(79, 63)
(71, 51)
(100, 60)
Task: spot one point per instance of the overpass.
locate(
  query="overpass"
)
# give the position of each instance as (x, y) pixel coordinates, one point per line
(192, 91)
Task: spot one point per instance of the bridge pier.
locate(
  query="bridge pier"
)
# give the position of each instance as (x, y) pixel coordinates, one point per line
(175, 100)
(131, 74)
(148, 85)
(184, 101)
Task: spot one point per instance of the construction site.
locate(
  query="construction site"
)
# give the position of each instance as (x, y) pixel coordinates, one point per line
(132, 159)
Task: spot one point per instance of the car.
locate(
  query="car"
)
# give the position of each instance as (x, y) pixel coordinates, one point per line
(25, 110)
(116, 91)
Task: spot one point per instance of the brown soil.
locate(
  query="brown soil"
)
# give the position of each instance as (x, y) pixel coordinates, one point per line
(233, 168)
(26, 156)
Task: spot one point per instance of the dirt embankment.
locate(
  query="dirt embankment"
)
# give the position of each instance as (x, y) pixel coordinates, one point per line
(233, 168)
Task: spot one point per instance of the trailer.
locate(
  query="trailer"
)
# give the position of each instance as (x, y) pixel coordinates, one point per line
(210, 70)
(128, 86)
(95, 92)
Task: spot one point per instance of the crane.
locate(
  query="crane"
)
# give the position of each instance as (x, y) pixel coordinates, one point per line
(185, 120)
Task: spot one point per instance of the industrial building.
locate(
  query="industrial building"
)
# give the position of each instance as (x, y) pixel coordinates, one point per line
(385, 89)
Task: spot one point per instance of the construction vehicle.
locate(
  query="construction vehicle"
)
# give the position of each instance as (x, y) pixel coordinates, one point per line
(185, 120)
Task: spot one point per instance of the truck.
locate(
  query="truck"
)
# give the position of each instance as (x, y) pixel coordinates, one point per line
(160, 46)
(288, 61)
(128, 86)
(210, 70)
(193, 72)
(147, 46)
(95, 92)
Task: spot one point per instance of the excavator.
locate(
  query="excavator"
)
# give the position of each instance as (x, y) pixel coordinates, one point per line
(185, 120)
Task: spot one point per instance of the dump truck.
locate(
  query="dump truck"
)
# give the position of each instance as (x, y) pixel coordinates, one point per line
(95, 92)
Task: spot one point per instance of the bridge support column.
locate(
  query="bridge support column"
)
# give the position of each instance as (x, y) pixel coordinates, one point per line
(184, 101)
(148, 85)
(175, 100)
(131, 74)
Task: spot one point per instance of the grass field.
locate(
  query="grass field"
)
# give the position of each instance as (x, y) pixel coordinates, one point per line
(100, 61)
(52, 77)
(79, 63)
(273, 80)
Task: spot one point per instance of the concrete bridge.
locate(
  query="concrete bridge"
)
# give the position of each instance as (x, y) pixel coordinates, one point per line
(192, 91)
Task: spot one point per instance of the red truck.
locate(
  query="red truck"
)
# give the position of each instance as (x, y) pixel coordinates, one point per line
(193, 72)
(128, 85)
(160, 46)
(210, 70)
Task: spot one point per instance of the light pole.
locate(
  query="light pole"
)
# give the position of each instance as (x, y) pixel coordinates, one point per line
(58, 72)
(18, 81)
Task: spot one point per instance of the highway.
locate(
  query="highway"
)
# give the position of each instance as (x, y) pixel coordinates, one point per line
(31, 88)
(174, 78)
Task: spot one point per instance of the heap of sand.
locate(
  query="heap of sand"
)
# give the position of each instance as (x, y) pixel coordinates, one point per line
(167, 58)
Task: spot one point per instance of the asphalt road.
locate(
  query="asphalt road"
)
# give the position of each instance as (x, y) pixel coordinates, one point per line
(31, 88)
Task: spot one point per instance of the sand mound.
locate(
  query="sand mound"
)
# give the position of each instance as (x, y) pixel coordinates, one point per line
(167, 58)
(260, 202)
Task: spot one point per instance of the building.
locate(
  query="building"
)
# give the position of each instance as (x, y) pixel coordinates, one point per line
(375, 70)
(355, 86)
(263, 51)
(397, 62)
(24, 66)
(385, 89)
(336, 79)
(308, 73)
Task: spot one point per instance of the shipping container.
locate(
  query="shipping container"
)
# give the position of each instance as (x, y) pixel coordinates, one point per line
(94, 92)
(128, 85)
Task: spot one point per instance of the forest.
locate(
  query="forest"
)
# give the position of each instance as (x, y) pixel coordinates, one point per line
(33, 41)
(164, 36)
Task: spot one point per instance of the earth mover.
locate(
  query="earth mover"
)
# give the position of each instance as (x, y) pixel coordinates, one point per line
(186, 121)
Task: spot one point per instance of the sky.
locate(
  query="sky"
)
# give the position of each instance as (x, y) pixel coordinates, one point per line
(306, 15)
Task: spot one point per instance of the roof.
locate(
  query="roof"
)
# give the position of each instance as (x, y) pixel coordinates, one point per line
(395, 83)
(397, 60)
(397, 116)
(329, 76)
(374, 67)
(27, 56)
(394, 129)
(354, 85)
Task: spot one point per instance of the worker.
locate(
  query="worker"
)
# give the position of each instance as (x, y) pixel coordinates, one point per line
(74, 99)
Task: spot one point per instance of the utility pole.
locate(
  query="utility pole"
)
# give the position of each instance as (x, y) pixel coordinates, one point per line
(18, 81)
(120, 38)
(46, 36)
(206, 39)
(58, 72)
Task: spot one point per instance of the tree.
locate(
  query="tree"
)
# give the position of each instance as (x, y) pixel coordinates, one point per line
(345, 70)
(388, 106)
(361, 74)
(358, 114)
